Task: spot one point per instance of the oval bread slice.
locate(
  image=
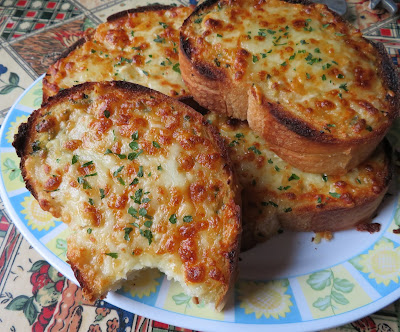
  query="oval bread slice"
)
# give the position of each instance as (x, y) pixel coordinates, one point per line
(277, 195)
(142, 182)
(304, 79)
(139, 45)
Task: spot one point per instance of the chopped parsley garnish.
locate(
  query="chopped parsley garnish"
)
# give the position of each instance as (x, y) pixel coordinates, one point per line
(283, 64)
(187, 219)
(325, 177)
(86, 185)
(121, 156)
(217, 63)
(339, 34)
(358, 180)
(112, 254)
(89, 231)
(176, 68)
(146, 200)
(87, 164)
(283, 188)
(287, 210)
(292, 56)
(218, 35)
(142, 212)
(145, 72)
(74, 159)
(277, 168)
(134, 145)
(319, 200)
(340, 76)
(271, 32)
(173, 219)
(308, 76)
(323, 77)
(164, 25)
(343, 86)
(159, 168)
(187, 117)
(147, 234)
(127, 230)
(118, 170)
(273, 204)
(326, 66)
(254, 149)
(107, 113)
(317, 50)
(159, 39)
(108, 151)
(102, 194)
(198, 20)
(369, 128)
(121, 180)
(134, 155)
(303, 42)
(293, 177)
(148, 223)
(35, 146)
(133, 212)
(91, 201)
(140, 172)
(270, 161)
(138, 196)
(255, 58)
(156, 145)
(325, 25)
(335, 195)
(135, 135)
(135, 181)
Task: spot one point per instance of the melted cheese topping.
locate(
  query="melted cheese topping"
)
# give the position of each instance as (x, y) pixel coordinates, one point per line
(138, 47)
(304, 58)
(271, 184)
(142, 183)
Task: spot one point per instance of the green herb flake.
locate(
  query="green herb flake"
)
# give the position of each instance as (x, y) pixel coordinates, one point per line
(148, 223)
(335, 195)
(156, 145)
(147, 234)
(277, 168)
(75, 159)
(254, 149)
(326, 25)
(135, 181)
(159, 39)
(112, 254)
(134, 155)
(140, 172)
(255, 58)
(133, 212)
(308, 76)
(343, 86)
(339, 34)
(145, 72)
(323, 77)
(340, 76)
(89, 231)
(176, 68)
(270, 161)
(217, 63)
(319, 200)
(198, 21)
(283, 64)
(325, 177)
(173, 219)
(142, 212)
(187, 219)
(108, 151)
(102, 194)
(164, 25)
(127, 231)
(159, 168)
(118, 170)
(121, 180)
(273, 204)
(317, 50)
(218, 35)
(107, 113)
(293, 177)
(369, 128)
(91, 201)
(287, 210)
(87, 164)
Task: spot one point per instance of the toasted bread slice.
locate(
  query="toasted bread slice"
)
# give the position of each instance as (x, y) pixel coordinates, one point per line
(317, 90)
(139, 45)
(277, 195)
(142, 181)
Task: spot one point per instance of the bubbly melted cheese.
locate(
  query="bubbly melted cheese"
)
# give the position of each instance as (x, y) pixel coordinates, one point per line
(272, 184)
(138, 47)
(304, 58)
(142, 183)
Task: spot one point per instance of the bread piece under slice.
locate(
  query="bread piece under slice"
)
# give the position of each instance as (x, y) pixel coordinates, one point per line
(304, 79)
(142, 181)
(139, 45)
(276, 195)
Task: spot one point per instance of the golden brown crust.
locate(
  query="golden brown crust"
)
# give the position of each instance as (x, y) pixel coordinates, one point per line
(308, 140)
(171, 242)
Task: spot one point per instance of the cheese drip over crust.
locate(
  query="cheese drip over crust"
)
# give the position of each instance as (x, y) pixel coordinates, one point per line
(139, 46)
(142, 181)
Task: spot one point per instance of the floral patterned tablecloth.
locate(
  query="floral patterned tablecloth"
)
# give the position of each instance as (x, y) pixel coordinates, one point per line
(33, 295)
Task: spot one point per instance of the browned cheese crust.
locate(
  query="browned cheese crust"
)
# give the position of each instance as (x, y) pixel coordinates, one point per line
(139, 45)
(279, 196)
(142, 180)
(304, 79)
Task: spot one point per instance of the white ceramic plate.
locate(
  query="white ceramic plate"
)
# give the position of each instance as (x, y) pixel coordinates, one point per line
(286, 284)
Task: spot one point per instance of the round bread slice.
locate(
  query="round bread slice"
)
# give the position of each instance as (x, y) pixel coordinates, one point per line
(139, 45)
(304, 79)
(142, 180)
(276, 195)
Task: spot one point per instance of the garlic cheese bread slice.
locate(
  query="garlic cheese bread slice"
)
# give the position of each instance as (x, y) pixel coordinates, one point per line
(141, 180)
(138, 45)
(277, 195)
(321, 95)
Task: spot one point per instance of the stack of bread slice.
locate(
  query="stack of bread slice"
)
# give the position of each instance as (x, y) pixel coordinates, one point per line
(143, 181)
